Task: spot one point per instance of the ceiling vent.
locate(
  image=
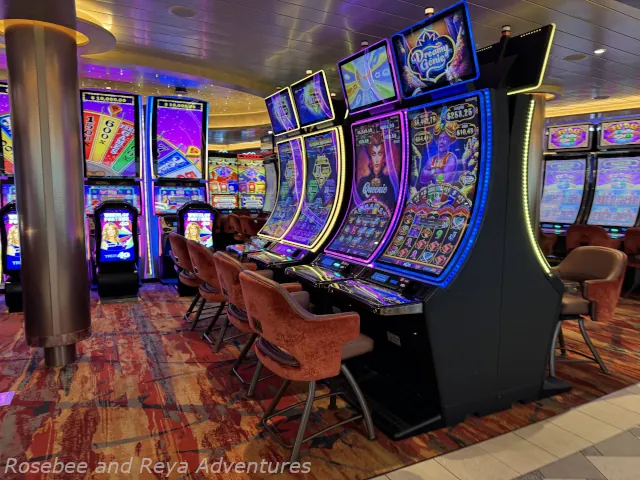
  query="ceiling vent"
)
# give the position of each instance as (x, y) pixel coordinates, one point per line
(182, 12)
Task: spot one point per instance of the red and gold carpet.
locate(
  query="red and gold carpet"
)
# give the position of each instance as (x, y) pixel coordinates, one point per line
(146, 388)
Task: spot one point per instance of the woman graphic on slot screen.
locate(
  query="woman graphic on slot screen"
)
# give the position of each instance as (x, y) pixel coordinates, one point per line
(377, 183)
(110, 236)
(13, 241)
(192, 232)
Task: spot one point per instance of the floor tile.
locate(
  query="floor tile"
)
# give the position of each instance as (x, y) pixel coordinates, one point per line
(473, 463)
(517, 453)
(635, 431)
(553, 439)
(622, 445)
(593, 451)
(627, 400)
(429, 470)
(531, 476)
(611, 413)
(617, 468)
(585, 426)
(573, 466)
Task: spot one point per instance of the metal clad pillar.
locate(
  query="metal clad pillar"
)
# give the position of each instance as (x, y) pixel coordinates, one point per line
(43, 83)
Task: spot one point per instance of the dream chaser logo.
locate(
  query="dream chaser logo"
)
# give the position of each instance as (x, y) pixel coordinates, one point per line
(431, 56)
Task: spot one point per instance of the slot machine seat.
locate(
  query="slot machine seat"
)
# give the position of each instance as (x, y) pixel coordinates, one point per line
(632, 249)
(182, 261)
(251, 226)
(595, 274)
(236, 226)
(547, 242)
(589, 236)
(299, 346)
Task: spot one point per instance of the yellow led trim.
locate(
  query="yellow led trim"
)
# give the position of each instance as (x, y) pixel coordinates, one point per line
(326, 87)
(544, 65)
(293, 107)
(542, 260)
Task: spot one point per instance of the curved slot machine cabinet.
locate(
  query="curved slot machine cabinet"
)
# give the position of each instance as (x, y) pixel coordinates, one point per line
(117, 249)
(8, 189)
(252, 182)
(223, 183)
(11, 256)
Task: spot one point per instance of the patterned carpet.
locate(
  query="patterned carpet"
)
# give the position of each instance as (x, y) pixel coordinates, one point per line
(143, 387)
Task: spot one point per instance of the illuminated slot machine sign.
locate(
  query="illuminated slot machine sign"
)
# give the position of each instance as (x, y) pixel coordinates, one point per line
(8, 193)
(619, 134)
(282, 113)
(378, 187)
(563, 190)
(290, 189)
(324, 187)
(312, 100)
(167, 200)
(110, 132)
(6, 162)
(446, 174)
(117, 241)
(569, 137)
(252, 182)
(616, 201)
(94, 195)
(12, 235)
(198, 226)
(178, 133)
(223, 182)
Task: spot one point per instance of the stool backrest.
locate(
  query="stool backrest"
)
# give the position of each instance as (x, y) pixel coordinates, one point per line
(229, 270)
(251, 226)
(180, 251)
(234, 223)
(203, 264)
(586, 235)
(632, 241)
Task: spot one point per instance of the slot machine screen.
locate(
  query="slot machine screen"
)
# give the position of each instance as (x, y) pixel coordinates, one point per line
(110, 133)
(117, 243)
(436, 53)
(325, 167)
(94, 195)
(368, 78)
(378, 187)
(446, 140)
(198, 226)
(569, 137)
(290, 188)
(619, 134)
(6, 162)
(312, 100)
(563, 190)
(253, 183)
(12, 232)
(179, 137)
(223, 176)
(224, 202)
(282, 113)
(617, 197)
(168, 200)
(8, 193)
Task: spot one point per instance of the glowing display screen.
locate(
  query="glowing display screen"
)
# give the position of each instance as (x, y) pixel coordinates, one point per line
(117, 243)
(170, 199)
(198, 226)
(8, 193)
(281, 112)
(620, 134)
(617, 197)
(378, 152)
(5, 130)
(445, 144)
(12, 231)
(569, 137)
(563, 190)
(290, 189)
(94, 195)
(224, 202)
(435, 53)
(322, 157)
(371, 294)
(223, 176)
(312, 100)
(253, 183)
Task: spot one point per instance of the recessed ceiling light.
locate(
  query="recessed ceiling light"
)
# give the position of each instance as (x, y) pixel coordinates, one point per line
(308, 72)
(182, 12)
(600, 51)
(333, 94)
(270, 132)
(601, 97)
(575, 57)
(108, 88)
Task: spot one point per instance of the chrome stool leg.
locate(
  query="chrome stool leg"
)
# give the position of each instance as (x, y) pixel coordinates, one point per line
(205, 335)
(371, 433)
(563, 347)
(594, 352)
(191, 307)
(240, 361)
(223, 329)
(254, 380)
(306, 413)
(198, 313)
(552, 355)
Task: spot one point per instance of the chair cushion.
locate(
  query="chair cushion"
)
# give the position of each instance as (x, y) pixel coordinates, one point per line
(302, 298)
(238, 314)
(209, 288)
(357, 347)
(575, 305)
(265, 273)
(276, 354)
(189, 279)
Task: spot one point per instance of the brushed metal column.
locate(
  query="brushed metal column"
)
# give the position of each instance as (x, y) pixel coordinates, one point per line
(536, 158)
(43, 84)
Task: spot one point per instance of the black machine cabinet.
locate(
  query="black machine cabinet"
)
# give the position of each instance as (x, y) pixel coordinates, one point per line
(11, 257)
(116, 249)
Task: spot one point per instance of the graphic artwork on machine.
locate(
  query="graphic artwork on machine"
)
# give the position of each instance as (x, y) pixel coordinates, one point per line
(94, 195)
(290, 189)
(617, 198)
(568, 137)
(223, 182)
(12, 232)
(312, 100)
(253, 183)
(563, 188)
(5, 130)
(445, 152)
(378, 150)
(620, 133)
(179, 138)
(322, 153)
(198, 226)
(168, 200)
(109, 133)
(117, 243)
(281, 112)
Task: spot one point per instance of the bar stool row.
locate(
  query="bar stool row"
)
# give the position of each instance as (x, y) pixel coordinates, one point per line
(292, 342)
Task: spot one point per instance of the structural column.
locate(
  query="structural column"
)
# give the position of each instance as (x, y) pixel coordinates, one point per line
(42, 60)
(536, 158)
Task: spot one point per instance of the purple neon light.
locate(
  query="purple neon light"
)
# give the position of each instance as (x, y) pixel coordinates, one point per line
(393, 74)
(404, 166)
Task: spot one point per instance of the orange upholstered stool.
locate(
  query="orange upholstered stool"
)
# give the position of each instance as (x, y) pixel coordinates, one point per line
(251, 226)
(182, 260)
(632, 249)
(300, 346)
(589, 236)
(236, 226)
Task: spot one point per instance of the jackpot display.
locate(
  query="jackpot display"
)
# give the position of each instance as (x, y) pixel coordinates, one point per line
(223, 182)
(377, 189)
(116, 244)
(368, 78)
(198, 226)
(312, 100)
(283, 115)
(622, 133)
(617, 196)
(563, 189)
(435, 53)
(110, 134)
(289, 190)
(12, 232)
(94, 195)
(445, 142)
(569, 137)
(6, 162)
(8, 193)
(179, 138)
(324, 164)
(252, 182)
(168, 200)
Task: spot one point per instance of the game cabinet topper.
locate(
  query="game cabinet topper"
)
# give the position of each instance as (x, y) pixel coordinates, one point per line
(282, 113)
(313, 100)
(368, 78)
(569, 137)
(619, 133)
(436, 53)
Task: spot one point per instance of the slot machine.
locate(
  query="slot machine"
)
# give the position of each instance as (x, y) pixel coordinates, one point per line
(112, 159)
(459, 300)
(196, 221)
(8, 189)
(252, 181)
(223, 183)
(11, 257)
(177, 132)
